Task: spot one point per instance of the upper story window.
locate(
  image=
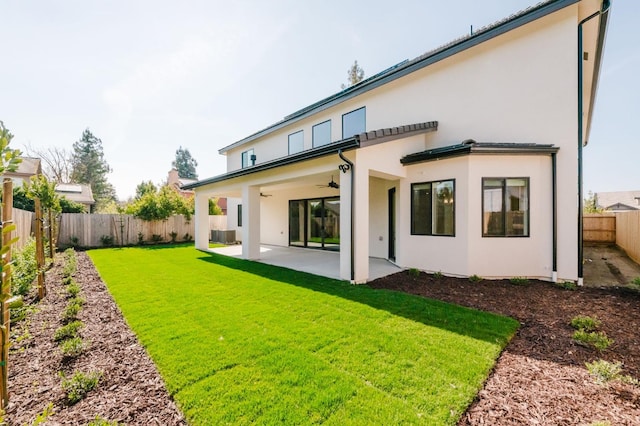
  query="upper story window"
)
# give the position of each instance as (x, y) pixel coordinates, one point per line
(432, 208)
(505, 207)
(354, 123)
(246, 158)
(296, 142)
(322, 133)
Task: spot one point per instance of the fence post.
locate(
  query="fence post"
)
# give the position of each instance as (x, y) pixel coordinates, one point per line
(7, 219)
(42, 291)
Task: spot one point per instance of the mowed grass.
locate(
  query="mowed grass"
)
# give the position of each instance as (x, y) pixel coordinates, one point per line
(241, 342)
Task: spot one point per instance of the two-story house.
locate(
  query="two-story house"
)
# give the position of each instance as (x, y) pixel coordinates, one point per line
(466, 160)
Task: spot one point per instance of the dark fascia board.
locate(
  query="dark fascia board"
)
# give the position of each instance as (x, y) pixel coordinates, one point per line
(488, 148)
(602, 35)
(321, 151)
(407, 67)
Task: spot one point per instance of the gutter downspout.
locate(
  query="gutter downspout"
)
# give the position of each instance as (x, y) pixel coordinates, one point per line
(352, 254)
(603, 11)
(554, 203)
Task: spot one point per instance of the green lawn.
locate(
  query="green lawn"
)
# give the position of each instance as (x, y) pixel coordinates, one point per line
(241, 342)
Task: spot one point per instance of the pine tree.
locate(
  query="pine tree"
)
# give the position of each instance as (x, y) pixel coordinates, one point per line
(355, 75)
(89, 166)
(185, 164)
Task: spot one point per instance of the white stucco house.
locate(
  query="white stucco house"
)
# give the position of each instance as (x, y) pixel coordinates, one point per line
(466, 160)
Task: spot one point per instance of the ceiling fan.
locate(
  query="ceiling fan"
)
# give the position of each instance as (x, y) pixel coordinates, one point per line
(332, 184)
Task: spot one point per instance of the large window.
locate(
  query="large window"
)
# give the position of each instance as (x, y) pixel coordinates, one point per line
(354, 123)
(246, 158)
(505, 207)
(322, 133)
(296, 142)
(432, 208)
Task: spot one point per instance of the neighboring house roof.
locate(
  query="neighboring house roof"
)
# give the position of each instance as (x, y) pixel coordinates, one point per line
(408, 66)
(28, 167)
(76, 192)
(364, 139)
(618, 200)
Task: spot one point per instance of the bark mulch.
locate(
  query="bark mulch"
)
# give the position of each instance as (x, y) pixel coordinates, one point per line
(541, 378)
(130, 390)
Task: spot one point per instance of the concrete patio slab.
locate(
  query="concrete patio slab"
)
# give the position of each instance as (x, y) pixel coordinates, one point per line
(318, 262)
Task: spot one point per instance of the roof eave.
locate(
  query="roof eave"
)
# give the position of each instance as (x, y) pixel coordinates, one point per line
(411, 66)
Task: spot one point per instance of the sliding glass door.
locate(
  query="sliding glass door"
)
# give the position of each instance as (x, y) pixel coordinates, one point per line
(315, 223)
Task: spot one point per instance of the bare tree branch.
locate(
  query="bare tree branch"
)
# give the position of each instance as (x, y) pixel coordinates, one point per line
(56, 162)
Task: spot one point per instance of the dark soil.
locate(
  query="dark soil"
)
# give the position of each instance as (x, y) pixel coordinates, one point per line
(541, 378)
(130, 390)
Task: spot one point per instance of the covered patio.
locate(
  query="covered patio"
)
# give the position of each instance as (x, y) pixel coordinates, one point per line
(318, 262)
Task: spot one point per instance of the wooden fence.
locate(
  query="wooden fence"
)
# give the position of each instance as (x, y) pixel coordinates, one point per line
(599, 228)
(24, 224)
(218, 223)
(96, 230)
(628, 233)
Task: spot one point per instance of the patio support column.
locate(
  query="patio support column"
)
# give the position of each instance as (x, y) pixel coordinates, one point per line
(202, 221)
(251, 222)
(361, 225)
(345, 225)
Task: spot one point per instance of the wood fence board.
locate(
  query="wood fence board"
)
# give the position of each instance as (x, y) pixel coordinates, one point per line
(628, 233)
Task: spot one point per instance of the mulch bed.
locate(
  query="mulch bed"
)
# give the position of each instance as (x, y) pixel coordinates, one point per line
(539, 379)
(130, 390)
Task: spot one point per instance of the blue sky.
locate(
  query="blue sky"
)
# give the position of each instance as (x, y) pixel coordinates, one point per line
(149, 76)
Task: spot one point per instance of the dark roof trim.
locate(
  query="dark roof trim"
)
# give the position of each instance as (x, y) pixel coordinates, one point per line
(385, 135)
(407, 67)
(472, 147)
(602, 34)
(321, 151)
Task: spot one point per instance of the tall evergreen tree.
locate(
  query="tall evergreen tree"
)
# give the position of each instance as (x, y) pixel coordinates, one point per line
(185, 164)
(89, 166)
(355, 75)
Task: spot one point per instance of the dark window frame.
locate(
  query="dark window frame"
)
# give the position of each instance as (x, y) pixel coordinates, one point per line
(289, 139)
(453, 212)
(246, 155)
(504, 205)
(351, 112)
(313, 133)
(239, 215)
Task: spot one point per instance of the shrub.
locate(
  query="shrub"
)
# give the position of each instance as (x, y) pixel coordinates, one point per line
(519, 281)
(70, 312)
(73, 289)
(140, 238)
(604, 371)
(74, 241)
(173, 235)
(437, 275)
(474, 278)
(73, 347)
(79, 385)
(187, 237)
(636, 281)
(106, 240)
(414, 272)
(67, 331)
(597, 339)
(42, 417)
(25, 268)
(156, 238)
(568, 285)
(586, 323)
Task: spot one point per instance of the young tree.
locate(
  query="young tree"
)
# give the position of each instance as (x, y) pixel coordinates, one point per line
(90, 167)
(185, 164)
(145, 187)
(355, 75)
